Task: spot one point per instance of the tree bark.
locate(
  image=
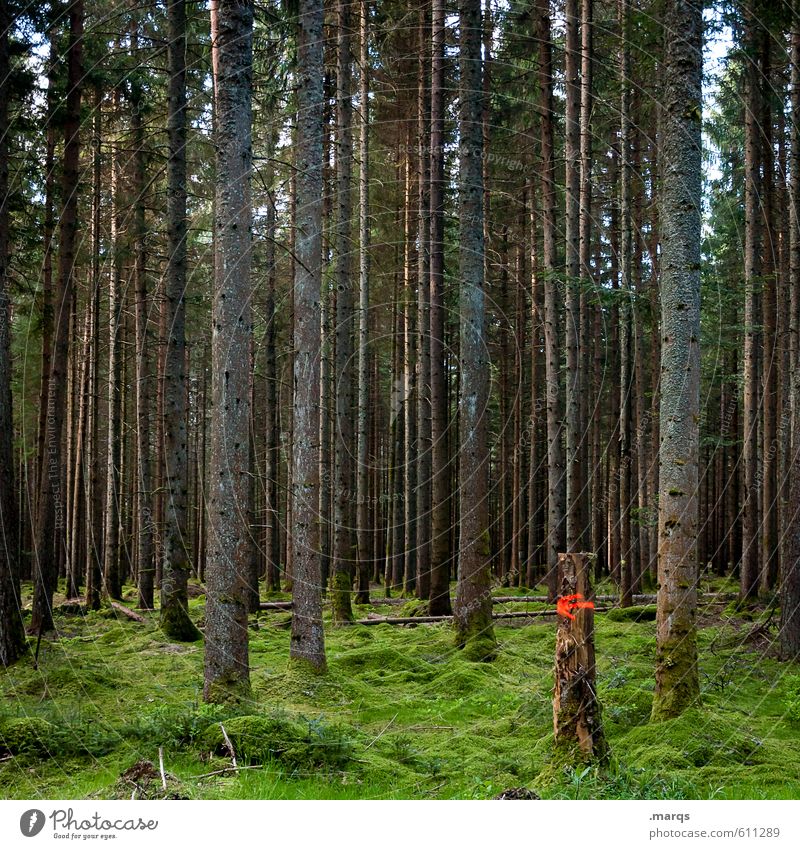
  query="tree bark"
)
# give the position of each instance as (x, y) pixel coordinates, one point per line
(677, 682)
(174, 616)
(344, 540)
(12, 635)
(50, 520)
(440, 502)
(556, 486)
(577, 721)
(307, 639)
(473, 607)
(363, 541)
(229, 550)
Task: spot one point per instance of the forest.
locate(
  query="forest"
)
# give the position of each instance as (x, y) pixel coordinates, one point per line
(400, 400)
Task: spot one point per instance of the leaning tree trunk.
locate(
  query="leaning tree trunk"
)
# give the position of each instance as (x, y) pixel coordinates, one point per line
(174, 616)
(677, 683)
(307, 640)
(343, 540)
(229, 545)
(473, 607)
(12, 635)
(50, 519)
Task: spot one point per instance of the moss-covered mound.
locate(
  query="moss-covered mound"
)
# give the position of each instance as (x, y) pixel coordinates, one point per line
(697, 738)
(26, 735)
(637, 613)
(295, 742)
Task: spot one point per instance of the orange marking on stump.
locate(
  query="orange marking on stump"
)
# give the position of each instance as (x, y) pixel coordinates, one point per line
(567, 603)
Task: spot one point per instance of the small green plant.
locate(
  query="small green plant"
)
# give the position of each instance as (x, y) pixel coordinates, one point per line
(792, 698)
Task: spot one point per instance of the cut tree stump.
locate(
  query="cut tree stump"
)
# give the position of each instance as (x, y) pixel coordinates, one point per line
(576, 710)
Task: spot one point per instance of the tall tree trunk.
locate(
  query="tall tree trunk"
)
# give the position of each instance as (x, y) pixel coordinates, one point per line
(770, 357)
(749, 573)
(272, 535)
(440, 502)
(556, 486)
(111, 551)
(473, 607)
(145, 566)
(229, 547)
(677, 683)
(174, 616)
(94, 513)
(307, 640)
(626, 371)
(50, 520)
(343, 543)
(574, 429)
(362, 473)
(409, 385)
(12, 635)
(790, 577)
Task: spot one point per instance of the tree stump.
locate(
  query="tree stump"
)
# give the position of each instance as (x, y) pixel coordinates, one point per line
(576, 711)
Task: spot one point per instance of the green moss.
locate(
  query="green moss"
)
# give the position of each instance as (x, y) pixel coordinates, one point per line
(341, 587)
(419, 719)
(642, 613)
(26, 735)
(295, 741)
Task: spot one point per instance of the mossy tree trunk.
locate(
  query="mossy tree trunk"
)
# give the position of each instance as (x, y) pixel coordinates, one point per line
(229, 545)
(576, 710)
(473, 607)
(677, 684)
(307, 638)
(174, 616)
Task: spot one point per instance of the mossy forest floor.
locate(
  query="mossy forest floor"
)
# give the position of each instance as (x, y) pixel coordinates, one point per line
(401, 714)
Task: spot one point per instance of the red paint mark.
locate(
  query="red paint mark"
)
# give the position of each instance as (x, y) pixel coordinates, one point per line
(572, 602)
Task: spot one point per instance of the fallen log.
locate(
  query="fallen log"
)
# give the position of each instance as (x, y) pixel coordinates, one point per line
(275, 605)
(422, 620)
(126, 611)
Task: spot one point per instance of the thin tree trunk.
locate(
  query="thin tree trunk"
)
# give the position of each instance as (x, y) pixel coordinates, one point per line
(363, 426)
(556, 486)
(574, 429)
(344, 539)
(50, 520)
(12, 635)
(307, 640)
(145, 566)
(440, 604)
(749, 573)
